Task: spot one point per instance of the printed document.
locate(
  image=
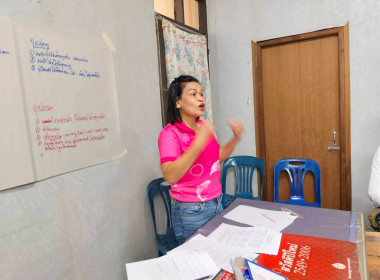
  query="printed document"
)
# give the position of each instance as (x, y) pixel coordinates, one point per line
(181, 265)
(219, 254)
(247, 239)
(276, 220)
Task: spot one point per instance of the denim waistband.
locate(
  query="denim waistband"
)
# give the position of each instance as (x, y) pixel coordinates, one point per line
(203, 202)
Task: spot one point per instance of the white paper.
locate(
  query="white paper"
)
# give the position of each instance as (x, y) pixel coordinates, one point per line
(219, 254)
(247, 239)
(69, 97)
(59, 102)
(276, 220)
(181, 265)
(16, 158)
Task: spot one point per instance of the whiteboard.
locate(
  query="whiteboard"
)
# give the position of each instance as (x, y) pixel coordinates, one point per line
(66, 100)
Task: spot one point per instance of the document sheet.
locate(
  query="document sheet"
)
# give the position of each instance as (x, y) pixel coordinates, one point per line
(247, 239)
(220, 254)
(181, 265)
(276, 220)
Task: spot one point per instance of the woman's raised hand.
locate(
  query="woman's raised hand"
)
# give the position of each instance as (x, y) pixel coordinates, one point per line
(237, 128)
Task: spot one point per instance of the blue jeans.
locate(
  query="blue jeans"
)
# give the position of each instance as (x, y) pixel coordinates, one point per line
(187, 217)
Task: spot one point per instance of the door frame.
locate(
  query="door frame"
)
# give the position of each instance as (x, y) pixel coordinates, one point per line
(344, 102)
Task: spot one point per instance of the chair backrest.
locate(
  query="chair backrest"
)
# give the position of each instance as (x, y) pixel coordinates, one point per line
(244, 167)
(296, 169)
(156, 188)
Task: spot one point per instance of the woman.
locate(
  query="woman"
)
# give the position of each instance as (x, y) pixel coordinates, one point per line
(190, 157)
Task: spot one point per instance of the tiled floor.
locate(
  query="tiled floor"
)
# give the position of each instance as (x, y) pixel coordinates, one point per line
(373, 254)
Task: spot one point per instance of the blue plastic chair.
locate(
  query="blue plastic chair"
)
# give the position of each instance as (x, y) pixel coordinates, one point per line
(296, 169)
(244, 167)
(167, 241)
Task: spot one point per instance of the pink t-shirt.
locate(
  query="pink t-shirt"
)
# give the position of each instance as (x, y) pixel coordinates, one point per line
(202, 181)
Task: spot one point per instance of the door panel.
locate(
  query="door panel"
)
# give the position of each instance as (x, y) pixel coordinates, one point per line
(300, 106)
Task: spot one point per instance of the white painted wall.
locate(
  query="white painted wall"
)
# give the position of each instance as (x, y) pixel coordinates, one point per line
(87, 224)
(233, 24)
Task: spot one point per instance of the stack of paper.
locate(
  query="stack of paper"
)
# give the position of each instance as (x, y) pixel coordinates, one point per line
(228, 241)
(181, 265)
(202, 257)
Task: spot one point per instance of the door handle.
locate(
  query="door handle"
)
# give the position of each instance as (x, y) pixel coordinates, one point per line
(334, 148)
(331, 149)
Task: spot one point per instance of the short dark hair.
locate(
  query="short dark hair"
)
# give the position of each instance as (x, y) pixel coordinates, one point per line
(175, 93)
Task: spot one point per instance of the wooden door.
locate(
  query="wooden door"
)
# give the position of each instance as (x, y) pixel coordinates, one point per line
(302, 107)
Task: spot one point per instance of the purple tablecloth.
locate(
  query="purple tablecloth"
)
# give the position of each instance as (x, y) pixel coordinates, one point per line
(318, 222)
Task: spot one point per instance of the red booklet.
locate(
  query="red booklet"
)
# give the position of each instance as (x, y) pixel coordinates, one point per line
(307, 257)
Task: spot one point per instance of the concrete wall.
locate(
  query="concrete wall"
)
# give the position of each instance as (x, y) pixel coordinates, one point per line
(232, 25)
(87, 224)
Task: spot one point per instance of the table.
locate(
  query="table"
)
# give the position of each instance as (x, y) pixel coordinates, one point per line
(317, 222)
(372, 239)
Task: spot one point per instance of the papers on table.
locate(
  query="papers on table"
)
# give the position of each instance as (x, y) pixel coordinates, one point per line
(181, 265)
(218, 253)
(276, 220)
(228, 241)
(247, 239)
(203, 256)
